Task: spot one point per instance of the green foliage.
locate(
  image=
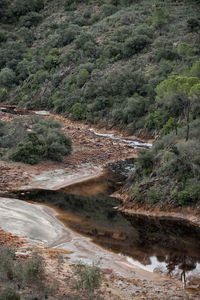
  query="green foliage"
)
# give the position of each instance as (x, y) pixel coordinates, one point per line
(168, 127)
(51, 61)
(67, 35)
(159, 17)
(193, 24)
(135, 108)
(28, 276)
(88, 278)
(30, 151)
(185, 49)
(3, 94)
(135, 44)
(77, 111)
(179, 88)
(34, 271)
(3, 37)
(46, 141)
(195, 69)
(145, 161)
(153, 196)
(7, 77)
(83, 76)
(31, 19)
(189, 195)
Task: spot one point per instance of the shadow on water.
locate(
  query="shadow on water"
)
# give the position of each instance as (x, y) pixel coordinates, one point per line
(164, 245)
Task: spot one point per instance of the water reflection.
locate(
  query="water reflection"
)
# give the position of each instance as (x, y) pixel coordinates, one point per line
(160, 245)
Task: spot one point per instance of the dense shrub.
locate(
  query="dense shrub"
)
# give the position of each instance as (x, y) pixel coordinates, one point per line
(3, 37)
(68, 35)
(77, 111)
(88, 278)
(28, 276)
(195, 69)
(3, 94)
(135, 44)
(45, 141)
(7, 77)
(193, 24)
(30, 151)
(31, 19)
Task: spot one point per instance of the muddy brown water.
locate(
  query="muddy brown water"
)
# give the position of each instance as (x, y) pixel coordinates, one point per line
(153, 244)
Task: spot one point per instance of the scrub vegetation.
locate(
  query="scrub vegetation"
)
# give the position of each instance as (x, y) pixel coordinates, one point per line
(31, 140)
(134, 63)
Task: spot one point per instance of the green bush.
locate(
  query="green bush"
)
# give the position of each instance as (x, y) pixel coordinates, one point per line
(3, 94)
(3, 36)
(33, 270)
(193, 24)
(185, 49)
(46, 141)
(7, 77)
(189, 195)
(68, 35)
(82, 77)
(88, 278)
(31, 19)
(159, 17)
(135, 44)
(145, 160)
(51, 61)
(77, 111)
(108, 9)
(195, 69)
(134, 108)
(153, 196)
(30, 151)
(168, 127)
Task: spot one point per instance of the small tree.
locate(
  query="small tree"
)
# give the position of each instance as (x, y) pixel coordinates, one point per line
(159, 18)
(175, 93)
(77, 111)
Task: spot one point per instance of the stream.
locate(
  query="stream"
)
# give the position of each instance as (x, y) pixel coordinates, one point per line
(82, 218)
(95, 231)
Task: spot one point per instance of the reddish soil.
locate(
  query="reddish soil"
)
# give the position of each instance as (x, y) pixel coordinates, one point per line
(87, 148)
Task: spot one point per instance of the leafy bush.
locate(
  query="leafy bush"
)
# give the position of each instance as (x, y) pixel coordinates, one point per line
(3, 94)
(135, 44)
(30, 151)
(189, 195)
(7, 77)
(88, 278)
(83, 76)
(145, 161)
(77, 111)
(31, 19)
(51, 61)
(34, 271)
(27, 276)
(46, 141)
(185, 49)
(3, 37)
(195, 69)
(193, 24)
(68, 35)
(159, 17)
(153, 196)
(168, 127)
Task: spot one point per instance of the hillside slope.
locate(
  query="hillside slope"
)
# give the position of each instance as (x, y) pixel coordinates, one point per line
(135, 64)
